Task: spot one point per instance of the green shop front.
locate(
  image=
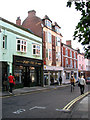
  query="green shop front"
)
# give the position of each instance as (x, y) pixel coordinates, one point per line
(27, 71)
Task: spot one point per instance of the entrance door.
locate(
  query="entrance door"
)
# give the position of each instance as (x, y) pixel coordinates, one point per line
(26, 76)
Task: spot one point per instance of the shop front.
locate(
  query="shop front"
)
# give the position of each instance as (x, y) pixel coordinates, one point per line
(52, 74)
(27, 71)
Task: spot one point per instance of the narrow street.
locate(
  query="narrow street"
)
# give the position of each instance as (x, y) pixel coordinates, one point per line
(44, 104)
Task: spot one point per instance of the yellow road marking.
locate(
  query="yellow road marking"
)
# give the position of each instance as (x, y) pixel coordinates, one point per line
(67, 107)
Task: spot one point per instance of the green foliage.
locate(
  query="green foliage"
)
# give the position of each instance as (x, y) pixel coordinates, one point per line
(82, 31)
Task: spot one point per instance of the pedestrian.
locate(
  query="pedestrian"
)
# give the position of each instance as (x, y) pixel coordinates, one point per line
(60, 80)
(5, 82)
(82, 84)
(11, 82)
(72, 81)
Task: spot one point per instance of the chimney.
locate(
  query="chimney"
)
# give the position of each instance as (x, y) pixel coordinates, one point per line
(31, 13)
(68, 42)
(18, 21)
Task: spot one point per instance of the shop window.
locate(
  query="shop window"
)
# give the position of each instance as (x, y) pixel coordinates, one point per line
(36, 49)
(21, 45)
(67, 75)
(5, 42)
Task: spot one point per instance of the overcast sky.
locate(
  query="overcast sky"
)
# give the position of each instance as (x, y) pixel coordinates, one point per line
(67, 18)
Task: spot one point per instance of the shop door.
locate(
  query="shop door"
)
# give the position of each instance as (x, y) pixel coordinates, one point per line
(26, 76)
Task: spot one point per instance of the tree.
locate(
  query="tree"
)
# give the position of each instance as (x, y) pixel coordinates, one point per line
(82, 31)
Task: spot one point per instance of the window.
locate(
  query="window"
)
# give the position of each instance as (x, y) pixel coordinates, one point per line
(70, 53)
(57, 41)
(36, 49)
(79, 58)
(21, 45)
(66, 51)
(49, 37)
(71, 62)
(57, 29)
(74, 54)
(74, 64)
(48, 23)
(67, 75)
(58, 56)
(5, 42)
(49, 54)
(66, 62)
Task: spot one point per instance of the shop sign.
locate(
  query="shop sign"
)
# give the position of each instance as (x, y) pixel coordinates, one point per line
(26, 61)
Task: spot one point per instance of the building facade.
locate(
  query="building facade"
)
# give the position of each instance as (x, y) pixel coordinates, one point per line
(20, 54)
(69, 62)
(50, 32)
(87, 70)
(81, 64)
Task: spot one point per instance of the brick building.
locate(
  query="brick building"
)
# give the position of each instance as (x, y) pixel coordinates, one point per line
(69, 61)
(50, 32)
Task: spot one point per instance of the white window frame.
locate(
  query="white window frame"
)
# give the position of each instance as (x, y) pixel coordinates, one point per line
(22, 44)
(66, 62)
(57, 29)
(66, 51)
(74, 64)
(70, 53)
(71, 62)
(49, 55)
(48, 23)
(57, 41)
(49, 37)
(4, 42)
(36, 48)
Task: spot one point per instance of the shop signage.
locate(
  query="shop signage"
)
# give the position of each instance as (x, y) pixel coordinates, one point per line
(18, 60)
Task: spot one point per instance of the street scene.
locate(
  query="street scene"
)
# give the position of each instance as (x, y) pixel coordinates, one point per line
(46, 103)
(45, 59)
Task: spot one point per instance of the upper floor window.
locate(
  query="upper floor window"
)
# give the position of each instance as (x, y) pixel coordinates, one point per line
(21, 45)
(5, 42)
(74, 55)
(57, 41)
(66, 52)
(36, 49)
(71, 62)
(49, 37)
(66, 62)
(70, 53)
(74, 64)
(48, 23)
(58, 56)
(79, 58)
(57, 29)
(49, 54)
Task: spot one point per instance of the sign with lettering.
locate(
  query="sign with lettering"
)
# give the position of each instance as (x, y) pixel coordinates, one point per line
(18, 60)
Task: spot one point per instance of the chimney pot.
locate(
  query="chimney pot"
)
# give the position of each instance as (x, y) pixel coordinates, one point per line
(18, 21)
(31, 13)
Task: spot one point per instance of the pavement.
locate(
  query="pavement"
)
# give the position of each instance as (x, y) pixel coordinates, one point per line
(81, 110)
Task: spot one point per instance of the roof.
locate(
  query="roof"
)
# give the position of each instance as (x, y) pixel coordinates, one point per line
(25, 29)
(67, 46)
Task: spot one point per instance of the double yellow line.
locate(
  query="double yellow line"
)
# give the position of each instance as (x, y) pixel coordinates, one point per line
(68, 106)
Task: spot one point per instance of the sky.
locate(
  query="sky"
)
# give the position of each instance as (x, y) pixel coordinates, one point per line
(67, 18)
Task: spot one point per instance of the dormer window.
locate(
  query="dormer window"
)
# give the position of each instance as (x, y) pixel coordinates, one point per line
(57, 29)
(48, 23)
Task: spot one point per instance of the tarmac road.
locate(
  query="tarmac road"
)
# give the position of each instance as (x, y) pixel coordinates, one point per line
(41, 104)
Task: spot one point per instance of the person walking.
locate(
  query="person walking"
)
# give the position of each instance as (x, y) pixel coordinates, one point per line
(72, 81)
(82, 84)
(60, 80)
(11, 82)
